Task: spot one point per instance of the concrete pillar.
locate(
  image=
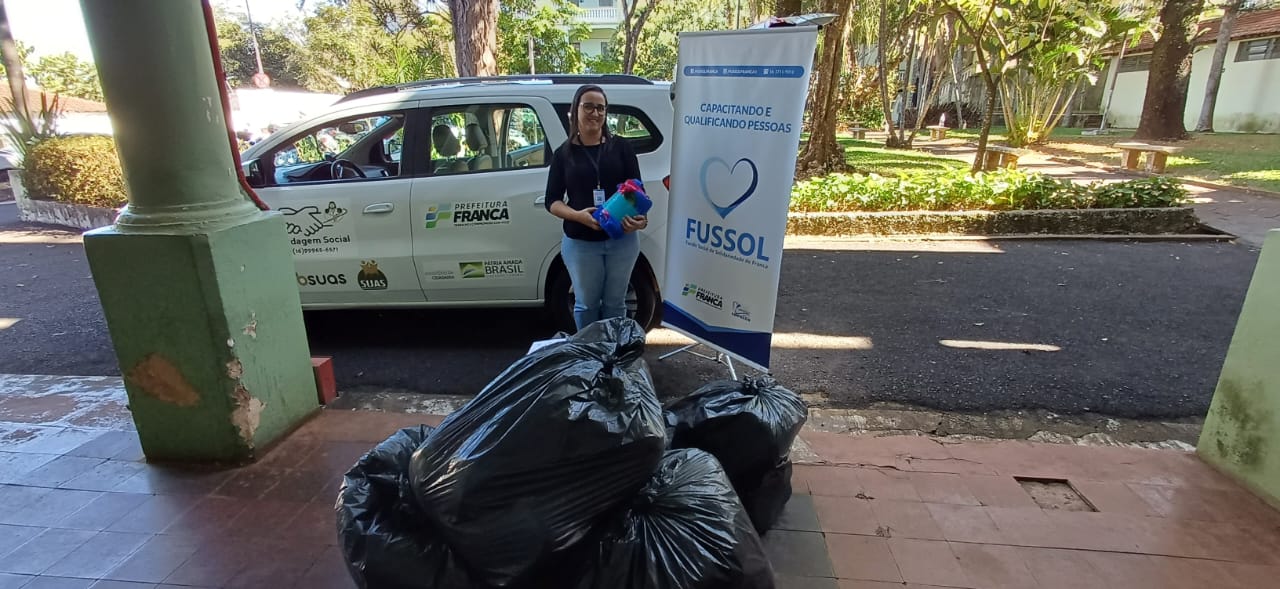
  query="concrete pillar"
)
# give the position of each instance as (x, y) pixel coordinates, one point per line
(196, 283)
(1241, 434)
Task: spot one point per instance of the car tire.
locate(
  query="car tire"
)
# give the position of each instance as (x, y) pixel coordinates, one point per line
(643, 300)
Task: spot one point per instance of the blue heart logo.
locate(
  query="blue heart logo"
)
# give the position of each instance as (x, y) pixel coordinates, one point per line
(724, 210)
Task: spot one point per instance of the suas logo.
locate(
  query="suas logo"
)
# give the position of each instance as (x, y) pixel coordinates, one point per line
(370, 277)
(321, 279)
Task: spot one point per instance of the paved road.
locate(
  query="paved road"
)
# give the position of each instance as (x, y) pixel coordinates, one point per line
(1140, 329)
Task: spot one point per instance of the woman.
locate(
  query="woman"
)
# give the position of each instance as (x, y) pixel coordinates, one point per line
(585, 171)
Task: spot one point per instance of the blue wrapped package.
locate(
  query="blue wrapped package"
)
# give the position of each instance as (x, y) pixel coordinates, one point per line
(629, 201)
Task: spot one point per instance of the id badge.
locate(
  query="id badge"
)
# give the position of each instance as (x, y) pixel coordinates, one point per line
(597, 196)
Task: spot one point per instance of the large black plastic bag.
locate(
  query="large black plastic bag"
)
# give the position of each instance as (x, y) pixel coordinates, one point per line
(522, 473)
(748, 426)
(384, 537)
(685, 530)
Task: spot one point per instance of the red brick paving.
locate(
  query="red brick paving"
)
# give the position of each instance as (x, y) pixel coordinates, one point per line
(83, 509)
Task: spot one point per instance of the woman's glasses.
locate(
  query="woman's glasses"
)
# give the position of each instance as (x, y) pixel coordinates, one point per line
(591, 107)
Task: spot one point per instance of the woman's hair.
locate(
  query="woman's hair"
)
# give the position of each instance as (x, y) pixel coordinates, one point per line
(573, 109)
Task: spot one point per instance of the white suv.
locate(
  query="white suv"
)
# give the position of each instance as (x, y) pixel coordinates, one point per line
(430, 194)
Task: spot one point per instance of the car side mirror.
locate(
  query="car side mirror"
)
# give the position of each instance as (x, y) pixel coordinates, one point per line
(253, 174)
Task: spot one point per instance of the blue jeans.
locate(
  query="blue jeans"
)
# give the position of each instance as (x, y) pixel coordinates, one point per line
(600, 271)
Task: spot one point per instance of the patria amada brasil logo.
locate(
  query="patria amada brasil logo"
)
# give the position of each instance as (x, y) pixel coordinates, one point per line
(718, 237)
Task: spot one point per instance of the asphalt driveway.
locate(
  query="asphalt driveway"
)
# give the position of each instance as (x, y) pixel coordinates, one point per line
(1122, 328)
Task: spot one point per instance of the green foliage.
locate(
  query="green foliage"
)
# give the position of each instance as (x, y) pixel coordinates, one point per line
(358, 44)
(24, 55)
(858, 97)
(554, 29)
(66, 75)
(957, 190)
(658, 46)
(81, 170)
(281, 55)
(23, 129)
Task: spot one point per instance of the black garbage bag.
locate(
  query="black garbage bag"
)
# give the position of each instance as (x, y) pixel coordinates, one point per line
(386, 540)
(748, 426)
(523, 472)
(685, 530)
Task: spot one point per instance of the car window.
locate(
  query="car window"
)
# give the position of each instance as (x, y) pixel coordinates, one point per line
(486, 138)
(627, 122)
(371, 143)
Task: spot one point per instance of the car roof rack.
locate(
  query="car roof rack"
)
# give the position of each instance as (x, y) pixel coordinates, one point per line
(575, 79)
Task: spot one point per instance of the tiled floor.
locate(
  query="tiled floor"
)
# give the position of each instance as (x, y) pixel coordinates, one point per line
(913, 511)
(80, 508)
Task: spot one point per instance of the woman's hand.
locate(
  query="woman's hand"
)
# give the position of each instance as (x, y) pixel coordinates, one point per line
(585, 217)
(635, 223)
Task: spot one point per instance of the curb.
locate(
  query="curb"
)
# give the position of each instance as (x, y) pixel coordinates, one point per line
(1169, 223)
(872, 238)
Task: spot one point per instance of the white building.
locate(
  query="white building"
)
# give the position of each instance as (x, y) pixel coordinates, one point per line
(603, 17)
(1249, 96)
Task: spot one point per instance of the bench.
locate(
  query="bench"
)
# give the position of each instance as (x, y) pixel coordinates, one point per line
(999, 156)
(859, 132)
(1157, 155)
(937, 132)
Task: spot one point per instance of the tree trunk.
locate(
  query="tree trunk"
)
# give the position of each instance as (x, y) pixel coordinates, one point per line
(1205, 125)
(881, 57)
(633, 23)
(822, 153)
(1170, 74)
(985, 136)
(12, 63)
(475, 36)
(788, 8)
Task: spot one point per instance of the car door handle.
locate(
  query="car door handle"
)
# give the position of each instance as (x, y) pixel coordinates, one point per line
(541, 200)
(382, 207)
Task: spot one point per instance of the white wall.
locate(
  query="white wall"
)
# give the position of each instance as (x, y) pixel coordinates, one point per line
(1248, 98)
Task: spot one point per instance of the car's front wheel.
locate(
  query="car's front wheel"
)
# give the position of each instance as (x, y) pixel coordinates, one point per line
(642, 299)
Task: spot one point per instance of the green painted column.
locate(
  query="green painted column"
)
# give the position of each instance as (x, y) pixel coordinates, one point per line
(1241, 434)
(196, 283)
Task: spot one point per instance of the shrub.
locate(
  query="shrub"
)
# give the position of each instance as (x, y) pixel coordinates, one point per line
(958, 190)
(81, 170)
(858, 98)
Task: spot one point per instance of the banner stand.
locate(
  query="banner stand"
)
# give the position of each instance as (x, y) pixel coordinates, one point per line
(720, 357)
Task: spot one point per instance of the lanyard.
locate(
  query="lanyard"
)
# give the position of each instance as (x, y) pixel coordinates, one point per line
(595, 161)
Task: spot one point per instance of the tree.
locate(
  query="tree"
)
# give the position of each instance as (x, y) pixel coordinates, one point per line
(475, 36)
(1230, 11)
(553, 28)
(788, 8)
(359, 44)
(1036, 90)
(658, 43)
(66, 75)
(12, 63)
(821, 153)
(281, 55)
(632, 24)
(1000, 36)
(1170, 72)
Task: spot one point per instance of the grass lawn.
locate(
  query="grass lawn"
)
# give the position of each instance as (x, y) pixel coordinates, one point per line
(871, 157)
(1238, 159)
